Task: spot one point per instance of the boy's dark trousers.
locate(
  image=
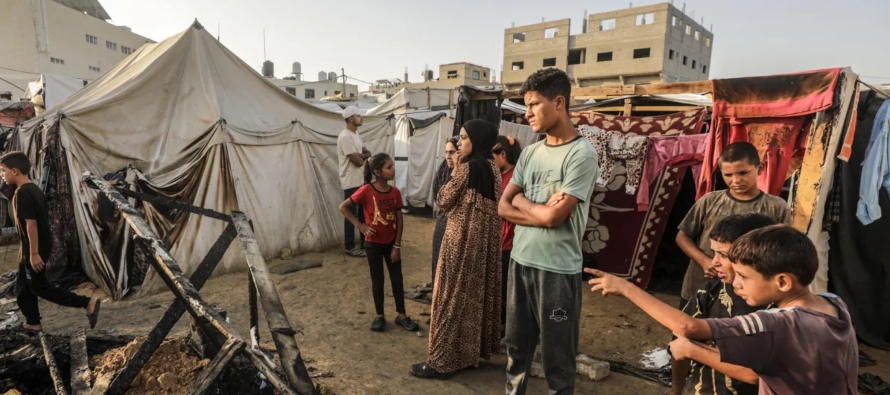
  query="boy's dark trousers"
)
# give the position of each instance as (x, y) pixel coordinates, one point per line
(29, 290)
(377, 254)
(546, 305)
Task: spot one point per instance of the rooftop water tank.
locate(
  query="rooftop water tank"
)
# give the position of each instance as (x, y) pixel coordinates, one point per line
(268, 69)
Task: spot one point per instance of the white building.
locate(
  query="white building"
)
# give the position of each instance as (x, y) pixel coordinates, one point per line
(315, 90)
(66, 37)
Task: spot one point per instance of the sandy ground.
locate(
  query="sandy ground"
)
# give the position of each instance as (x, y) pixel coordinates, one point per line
(333, 309)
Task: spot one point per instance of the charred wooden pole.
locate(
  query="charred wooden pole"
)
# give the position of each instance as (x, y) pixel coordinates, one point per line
(172, 315)
(254, 312)
(282, 333)
(80, 368)
(184, 291)
(225, 355)
(51, 364)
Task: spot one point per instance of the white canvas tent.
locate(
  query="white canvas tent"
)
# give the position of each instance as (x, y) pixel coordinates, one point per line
(55, 88)
(419, 149)
(204, 127)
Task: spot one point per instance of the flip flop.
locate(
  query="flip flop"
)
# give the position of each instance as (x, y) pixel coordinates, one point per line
(356, 253)
(95, 316)
(21, 329)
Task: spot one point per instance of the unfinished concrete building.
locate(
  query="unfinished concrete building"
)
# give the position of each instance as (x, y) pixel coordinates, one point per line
(648, 44)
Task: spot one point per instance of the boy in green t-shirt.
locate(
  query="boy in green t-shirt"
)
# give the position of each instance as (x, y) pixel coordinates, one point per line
(547, 199)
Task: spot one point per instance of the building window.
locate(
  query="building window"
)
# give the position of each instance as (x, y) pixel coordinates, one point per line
(336, 93)
(577, 56)
(452, 74)
(704, 68)
(92, 39)
(604, 57)
(641, 53)
(352, 95)
(291, 90)
(675, 20)
(518, 38)
(685, 59)
(57, 61)
(645, 19)
(688, 30)
(697, 35)
(671, 54)
(475, 74)
(110, 45)
(126, 50)
(708, 42)
(607, 24)
(95, 69)
(518, 66)
(551, 32)
(309, 94)
(693, 64)
(550, 62)
(484, 75)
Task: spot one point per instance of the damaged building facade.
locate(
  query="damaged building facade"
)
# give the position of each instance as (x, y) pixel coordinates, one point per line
(639, 45)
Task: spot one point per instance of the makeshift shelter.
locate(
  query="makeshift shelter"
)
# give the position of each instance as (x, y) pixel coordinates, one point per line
(51, 89)
(189, 120)
(419, 149)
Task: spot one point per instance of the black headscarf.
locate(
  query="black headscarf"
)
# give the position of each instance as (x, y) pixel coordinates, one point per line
(484, 136)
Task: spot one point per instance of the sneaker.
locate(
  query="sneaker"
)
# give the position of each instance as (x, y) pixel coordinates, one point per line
(356, 253)
(378, 325)
(408, 324)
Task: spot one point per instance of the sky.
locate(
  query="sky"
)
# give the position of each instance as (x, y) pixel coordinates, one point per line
(378, 39)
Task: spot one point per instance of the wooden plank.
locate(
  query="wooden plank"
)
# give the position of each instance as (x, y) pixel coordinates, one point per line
(51, 364)
(282, 333)
(645, 89)
(628, 107)
(641, 109)
(173, 314)
(80, 367)
(228, 352)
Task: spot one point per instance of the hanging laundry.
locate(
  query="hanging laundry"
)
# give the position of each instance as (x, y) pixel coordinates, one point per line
(674, 151)
(875, 168)
(763, 111)
(612, 147)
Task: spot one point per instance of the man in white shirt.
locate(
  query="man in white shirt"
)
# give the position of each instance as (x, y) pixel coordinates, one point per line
(352, 155)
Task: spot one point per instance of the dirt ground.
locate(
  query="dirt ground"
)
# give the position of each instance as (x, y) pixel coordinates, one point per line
(332, 308)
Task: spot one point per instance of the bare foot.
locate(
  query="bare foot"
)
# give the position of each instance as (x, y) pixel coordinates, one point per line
(92, 306)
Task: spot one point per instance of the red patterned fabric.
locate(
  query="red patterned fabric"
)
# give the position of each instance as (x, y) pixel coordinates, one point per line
(620, 239)
(771, 113)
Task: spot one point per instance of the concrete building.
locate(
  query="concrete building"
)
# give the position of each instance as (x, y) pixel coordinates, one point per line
(66, 37)
(648, 44)
(451, 76)
(315, 90)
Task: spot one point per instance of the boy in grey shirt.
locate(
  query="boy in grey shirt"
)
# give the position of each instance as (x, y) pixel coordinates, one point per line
(547, 199)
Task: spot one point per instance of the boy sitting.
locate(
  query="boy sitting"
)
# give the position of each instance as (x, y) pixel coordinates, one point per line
(716, 299)
(805, 346)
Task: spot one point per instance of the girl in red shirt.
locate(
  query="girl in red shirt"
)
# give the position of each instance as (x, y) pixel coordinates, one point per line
(382, 204)
(506, 154)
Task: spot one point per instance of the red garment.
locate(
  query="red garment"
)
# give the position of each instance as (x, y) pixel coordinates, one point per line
(769, 112)
(380, 211)
(674, 151)
(507, 228)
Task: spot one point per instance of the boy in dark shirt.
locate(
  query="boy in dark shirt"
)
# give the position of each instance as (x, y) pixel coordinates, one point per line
(32, 223)
(805, 346)
(716, 299)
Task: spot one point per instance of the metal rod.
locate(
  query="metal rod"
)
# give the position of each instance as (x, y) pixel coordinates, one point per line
(51, 364)
(282, 333)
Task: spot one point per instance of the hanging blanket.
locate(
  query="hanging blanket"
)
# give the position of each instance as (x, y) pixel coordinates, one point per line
(619, 239)
(770, 112)
(614, 147)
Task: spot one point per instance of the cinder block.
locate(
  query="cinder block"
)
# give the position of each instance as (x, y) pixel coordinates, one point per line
(591, 369)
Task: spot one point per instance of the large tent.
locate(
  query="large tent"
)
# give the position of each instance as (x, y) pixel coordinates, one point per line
(202, 127)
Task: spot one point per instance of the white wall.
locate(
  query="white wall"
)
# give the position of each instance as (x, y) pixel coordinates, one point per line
(34, 31)
(321, 88)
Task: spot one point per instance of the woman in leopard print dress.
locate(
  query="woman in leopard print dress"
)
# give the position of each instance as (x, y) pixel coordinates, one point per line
(466, 310)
